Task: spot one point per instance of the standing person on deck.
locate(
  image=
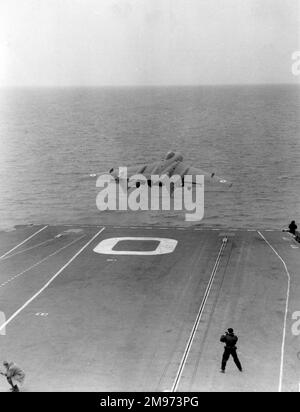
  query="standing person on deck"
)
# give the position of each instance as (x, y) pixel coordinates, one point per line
(293, 227)
(14, 375)
(230, 340)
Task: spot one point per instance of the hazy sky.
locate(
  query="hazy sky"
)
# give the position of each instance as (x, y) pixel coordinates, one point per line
(141, 42)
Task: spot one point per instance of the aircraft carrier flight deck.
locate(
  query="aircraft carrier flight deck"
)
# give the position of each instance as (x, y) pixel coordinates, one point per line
(112, 308)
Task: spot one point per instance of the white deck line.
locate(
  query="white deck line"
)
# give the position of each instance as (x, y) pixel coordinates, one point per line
(198, 318)
(49, 281)
(286, 311)
(24, 241)
(12, 277)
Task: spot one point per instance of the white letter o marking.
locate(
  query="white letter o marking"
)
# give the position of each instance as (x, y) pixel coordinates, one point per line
(164, 246)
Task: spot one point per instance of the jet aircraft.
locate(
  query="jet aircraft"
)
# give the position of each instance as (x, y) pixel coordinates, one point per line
(171, 165)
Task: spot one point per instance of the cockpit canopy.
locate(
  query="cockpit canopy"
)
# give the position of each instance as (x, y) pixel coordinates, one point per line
(174, 155)
(169, 155)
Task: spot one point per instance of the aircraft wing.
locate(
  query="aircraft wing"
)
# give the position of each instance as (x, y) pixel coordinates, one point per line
(180, 168)
(160, 168)
(191, 171)
(119, 172)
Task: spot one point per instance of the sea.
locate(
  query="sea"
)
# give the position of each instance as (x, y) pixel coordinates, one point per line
(53, 139)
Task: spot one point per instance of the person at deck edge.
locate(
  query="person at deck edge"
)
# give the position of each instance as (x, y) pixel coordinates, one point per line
(293, 227)
(14, 375)
(230, 340)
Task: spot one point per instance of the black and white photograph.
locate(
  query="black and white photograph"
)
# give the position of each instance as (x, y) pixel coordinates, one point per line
(149, 198)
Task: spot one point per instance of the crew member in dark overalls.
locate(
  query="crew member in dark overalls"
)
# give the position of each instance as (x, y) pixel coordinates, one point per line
(292, 227)
(230, 340)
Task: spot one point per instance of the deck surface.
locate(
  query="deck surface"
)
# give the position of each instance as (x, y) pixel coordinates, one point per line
(121, 319)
